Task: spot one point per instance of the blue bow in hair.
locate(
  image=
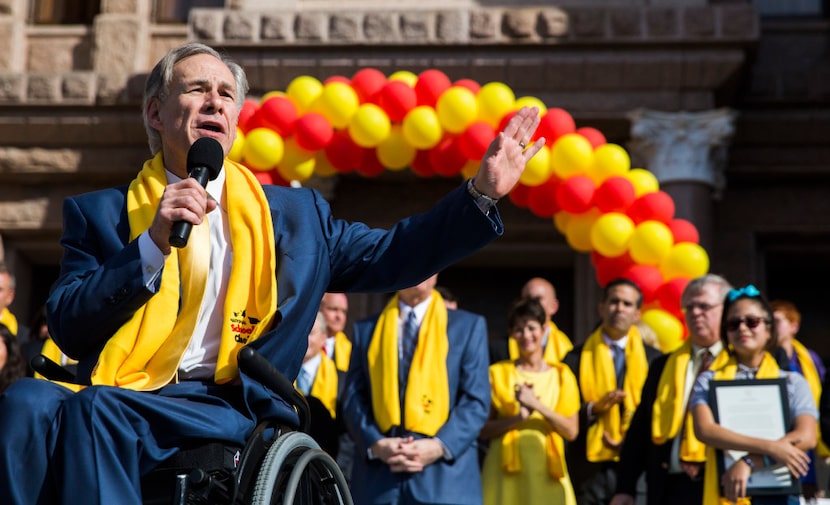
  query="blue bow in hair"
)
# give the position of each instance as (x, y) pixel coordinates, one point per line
(748, 291)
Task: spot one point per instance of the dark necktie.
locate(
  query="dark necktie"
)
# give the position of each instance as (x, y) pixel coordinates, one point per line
(706, 359)
(619, 364)
(408, 345)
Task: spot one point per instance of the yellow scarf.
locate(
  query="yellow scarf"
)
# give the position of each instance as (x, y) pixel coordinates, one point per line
(667, 413)
(325, 385)
(597, 377)
(711, 488)
(810, 373)
(557, 347)
(564, 399)
(52, 351)
(427, 388)
(132, 357)
(8, 320)
(342, 351)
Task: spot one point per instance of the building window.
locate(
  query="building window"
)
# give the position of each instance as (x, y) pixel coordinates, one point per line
(64, 12)
(792, 8)
(176, 11)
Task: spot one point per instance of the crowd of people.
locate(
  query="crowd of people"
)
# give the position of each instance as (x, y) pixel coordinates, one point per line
(418, 404)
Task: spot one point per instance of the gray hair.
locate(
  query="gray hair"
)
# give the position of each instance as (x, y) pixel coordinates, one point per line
(696, 285)
(5, 270)
(158, 82)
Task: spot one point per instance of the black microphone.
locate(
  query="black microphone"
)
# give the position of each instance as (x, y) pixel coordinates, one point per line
(204, 162)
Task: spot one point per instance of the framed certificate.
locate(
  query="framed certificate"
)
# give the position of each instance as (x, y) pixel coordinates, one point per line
(757, 408)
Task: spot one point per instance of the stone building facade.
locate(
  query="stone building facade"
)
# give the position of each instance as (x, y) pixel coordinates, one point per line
(725, 101)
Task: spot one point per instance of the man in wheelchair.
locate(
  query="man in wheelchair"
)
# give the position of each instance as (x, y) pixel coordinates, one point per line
(156, 318)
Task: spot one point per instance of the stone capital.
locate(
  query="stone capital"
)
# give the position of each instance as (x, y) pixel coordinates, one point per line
(683, 146)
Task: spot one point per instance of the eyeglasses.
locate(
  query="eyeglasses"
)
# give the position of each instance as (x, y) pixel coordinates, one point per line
(751, 322)
(703, 307)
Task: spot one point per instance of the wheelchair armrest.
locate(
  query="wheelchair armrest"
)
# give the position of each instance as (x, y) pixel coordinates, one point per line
(261, 370)
(51, 370)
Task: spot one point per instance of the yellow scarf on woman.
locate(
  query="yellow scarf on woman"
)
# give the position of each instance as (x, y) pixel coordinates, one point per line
(325, 385)
(342, 351)
(597, 378)
(669, 409)
(557, 346)
(711, 486)
(810, 373)
(141, 355)
(8, 320)
(427, 396)
(503, 380)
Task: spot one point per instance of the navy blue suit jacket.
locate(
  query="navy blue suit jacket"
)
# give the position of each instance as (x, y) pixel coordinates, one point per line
(455, 481)
(100, 285)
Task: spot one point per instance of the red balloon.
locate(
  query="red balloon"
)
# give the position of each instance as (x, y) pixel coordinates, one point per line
(474, 141)
(608, 269)
(668, 295)
(683, 231)
(338, 78)
(279, 114)
(446, 158)
(555, 123)
(576, 194)
(371, 166)
(469, 84)
(422, 164)
(430, 85)
(270, 177)
(313, 131)
(367, 83)
(647, 277)
(519, 195)
(248, 110)
(615, 194)
(657, 206)
(541, 199)
(594, 136)
(343, 154)
(396, 98)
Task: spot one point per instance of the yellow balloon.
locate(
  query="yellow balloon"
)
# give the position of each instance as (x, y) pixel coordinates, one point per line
(470, 169)
(608, 160)
(421, 127)
(395, 153)
(297, 164)
(668, 328)
(651, 242)
(404, 76)
(578, 233)
(538, 169)
(337, 103)
(561, 220)
(303, 91)
(644, 181)
(456, 109)
(369, 125)
(531, 101)
(570, 155)
(263, 149)
(685, 259)
(235, 154)
(322, 165)
(611, 233)
(495, 100)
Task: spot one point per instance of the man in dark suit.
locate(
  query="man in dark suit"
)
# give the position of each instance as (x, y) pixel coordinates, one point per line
(672, 461)
(610, 367)
(165, 325)
(417, 394)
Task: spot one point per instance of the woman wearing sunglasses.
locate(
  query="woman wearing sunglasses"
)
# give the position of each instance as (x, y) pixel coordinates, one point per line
(748, 334)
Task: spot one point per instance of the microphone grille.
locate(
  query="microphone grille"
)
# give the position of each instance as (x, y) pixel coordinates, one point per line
(206, 152)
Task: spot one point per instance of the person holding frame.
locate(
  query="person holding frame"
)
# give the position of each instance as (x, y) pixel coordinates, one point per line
(748, 335)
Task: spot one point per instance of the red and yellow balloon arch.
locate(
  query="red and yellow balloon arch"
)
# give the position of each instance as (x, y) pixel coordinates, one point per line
(371, 123)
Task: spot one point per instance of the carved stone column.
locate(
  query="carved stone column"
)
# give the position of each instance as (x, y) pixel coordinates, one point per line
(687, 152)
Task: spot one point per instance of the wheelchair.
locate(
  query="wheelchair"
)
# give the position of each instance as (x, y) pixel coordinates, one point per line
(277, 465)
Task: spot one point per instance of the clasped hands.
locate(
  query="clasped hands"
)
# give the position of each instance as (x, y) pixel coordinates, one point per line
(603, 405)
(406, 454)
(783, 450)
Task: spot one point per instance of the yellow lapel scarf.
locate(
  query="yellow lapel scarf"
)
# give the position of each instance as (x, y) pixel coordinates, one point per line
(8, 320)
(503, 380)
(597, 377)
(142, 355)
(427, 389)
(711, 488)
(810, 373)
(325, 385)
(668, 409)
(557, 347)
(342, 351)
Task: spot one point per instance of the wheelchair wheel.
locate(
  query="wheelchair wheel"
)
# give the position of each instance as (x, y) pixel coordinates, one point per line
(297, 472)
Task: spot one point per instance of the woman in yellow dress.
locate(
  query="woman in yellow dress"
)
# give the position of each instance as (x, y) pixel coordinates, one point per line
(535, 406)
